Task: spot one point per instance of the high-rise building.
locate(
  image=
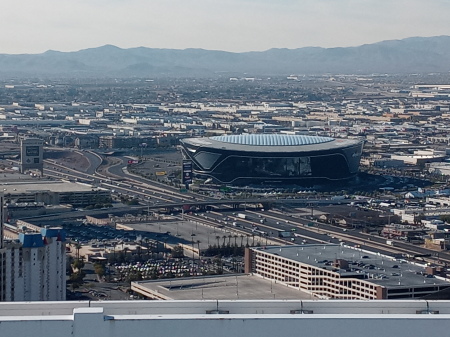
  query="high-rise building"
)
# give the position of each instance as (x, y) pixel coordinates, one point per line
(33, 267)
(31, 154)
(2, 213)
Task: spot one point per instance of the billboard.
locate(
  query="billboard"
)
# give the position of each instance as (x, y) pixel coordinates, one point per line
(31, 154)
(32, 151)
(187, 172)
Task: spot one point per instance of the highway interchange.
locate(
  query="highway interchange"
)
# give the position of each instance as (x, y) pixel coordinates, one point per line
(268, 222)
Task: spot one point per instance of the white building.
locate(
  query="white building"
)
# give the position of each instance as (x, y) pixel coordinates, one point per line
(226, 318)
(33, 268)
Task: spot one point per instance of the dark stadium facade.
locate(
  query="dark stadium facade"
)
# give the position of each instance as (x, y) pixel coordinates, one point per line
(273, 158)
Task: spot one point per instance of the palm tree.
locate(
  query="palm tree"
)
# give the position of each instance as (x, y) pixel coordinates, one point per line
(138, 248)
(78, 247)
(198, 249)
(125, 251)
(148, 250)
(114, 244)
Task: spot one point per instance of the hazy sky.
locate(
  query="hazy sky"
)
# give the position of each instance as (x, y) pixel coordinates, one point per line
(33, 26)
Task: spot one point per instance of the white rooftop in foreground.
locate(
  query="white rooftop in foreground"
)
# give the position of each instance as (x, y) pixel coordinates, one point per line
(270, 308)
(225, 318)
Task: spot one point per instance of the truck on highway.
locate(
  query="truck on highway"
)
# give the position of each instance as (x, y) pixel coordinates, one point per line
(390, 242)
(241, 215)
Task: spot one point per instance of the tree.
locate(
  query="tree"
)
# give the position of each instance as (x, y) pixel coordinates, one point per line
(78, 264)
(76, 279)
(445, 218)
(178, 252)
(138, 248)
(77, 248)
(99, 269)
(125, 253)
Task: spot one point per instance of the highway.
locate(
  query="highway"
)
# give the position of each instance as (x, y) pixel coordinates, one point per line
(154, 195)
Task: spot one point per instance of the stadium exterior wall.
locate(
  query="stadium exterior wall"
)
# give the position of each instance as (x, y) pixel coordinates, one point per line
(245, 318)
(247, 165)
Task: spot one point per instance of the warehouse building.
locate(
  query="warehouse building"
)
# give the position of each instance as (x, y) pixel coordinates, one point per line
(53, 193)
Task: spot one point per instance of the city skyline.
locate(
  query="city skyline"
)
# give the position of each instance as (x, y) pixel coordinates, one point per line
(235, 26)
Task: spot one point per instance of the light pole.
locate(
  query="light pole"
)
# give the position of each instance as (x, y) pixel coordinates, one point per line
(192, 246)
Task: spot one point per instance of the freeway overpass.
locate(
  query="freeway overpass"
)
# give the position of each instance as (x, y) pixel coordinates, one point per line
(265, 203)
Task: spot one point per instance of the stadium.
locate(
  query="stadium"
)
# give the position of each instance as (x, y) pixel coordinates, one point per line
(272, 158)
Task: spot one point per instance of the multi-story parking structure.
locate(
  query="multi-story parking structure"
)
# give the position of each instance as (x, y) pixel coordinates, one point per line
(341, 272)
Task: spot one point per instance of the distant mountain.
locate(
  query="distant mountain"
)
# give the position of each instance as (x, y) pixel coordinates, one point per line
(411, 55)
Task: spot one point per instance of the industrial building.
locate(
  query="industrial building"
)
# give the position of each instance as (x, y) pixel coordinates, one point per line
(225, 318)
(331, 271)
(53, 192)
(272, 158)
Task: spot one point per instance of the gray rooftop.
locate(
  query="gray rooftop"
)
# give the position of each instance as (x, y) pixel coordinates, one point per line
(271, 143)
(37, 186)
(222, 287)
(376, 268)
(272, 139)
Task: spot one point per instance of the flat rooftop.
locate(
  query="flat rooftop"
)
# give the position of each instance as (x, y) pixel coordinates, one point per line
(376, 268)
(387, 309)
(221, 287)
(19, 187)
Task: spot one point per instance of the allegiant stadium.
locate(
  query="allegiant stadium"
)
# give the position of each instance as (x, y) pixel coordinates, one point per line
(272, 158)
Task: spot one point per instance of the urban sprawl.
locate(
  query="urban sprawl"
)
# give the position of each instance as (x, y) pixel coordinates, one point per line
(191, 188)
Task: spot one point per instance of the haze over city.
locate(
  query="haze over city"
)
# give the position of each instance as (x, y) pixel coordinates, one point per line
(224, 167)
(234, 25)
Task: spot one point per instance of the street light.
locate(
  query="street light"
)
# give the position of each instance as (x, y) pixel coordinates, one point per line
(192, 245)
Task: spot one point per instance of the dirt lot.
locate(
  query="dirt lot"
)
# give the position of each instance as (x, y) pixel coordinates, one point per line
(70, 159)
(160, 165)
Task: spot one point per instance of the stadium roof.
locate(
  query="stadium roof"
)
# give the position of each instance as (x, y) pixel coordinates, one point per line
(272, 139)
(268, 143)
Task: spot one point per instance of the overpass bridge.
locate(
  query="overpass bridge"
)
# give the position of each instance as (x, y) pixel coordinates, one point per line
(200, 205)
(265, 203)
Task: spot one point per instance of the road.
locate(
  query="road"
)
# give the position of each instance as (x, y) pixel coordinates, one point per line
(156, 195)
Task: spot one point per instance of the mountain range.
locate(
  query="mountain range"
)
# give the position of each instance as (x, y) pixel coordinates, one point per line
(411, 55)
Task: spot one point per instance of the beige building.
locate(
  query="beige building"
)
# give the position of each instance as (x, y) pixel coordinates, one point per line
(340, 272)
